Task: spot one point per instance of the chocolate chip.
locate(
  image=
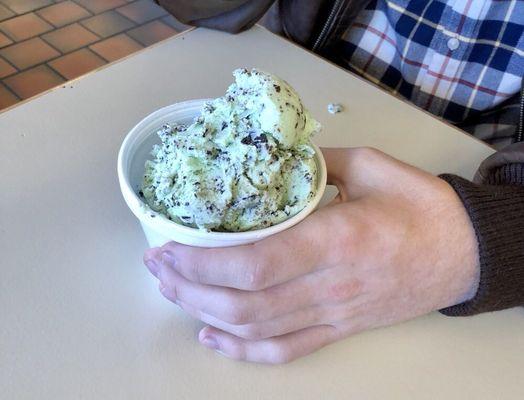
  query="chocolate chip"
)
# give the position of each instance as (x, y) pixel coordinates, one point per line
(277, 88)
(209, 108)
(262, 138)
(247, 140)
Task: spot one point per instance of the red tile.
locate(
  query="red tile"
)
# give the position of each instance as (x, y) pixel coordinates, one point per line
(7, 98)
(29, 53)
(107, 24)
(77, 63)
(33, 81)
(6, 68)
(5, 13)
(63, 13)
(4, 40)
(24, 27)
(142, 11)
(98, 6)
(116, 47)
(151, 32)
(70, 38)
(23, 6)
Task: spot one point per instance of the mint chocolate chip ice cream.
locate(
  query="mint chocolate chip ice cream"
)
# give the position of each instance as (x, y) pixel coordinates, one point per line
(245, 163)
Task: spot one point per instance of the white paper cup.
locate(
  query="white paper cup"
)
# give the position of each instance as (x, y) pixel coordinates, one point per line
(158, 229)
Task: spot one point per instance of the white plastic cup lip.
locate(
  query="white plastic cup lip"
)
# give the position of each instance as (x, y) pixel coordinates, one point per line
(184, 234)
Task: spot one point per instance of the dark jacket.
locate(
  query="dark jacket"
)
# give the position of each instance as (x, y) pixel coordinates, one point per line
(311, 23)
(495, 202)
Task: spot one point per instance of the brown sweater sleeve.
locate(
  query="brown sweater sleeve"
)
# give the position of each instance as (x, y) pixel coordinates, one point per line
(496, 209)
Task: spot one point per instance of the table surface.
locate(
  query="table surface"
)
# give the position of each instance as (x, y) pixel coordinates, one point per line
(82, 318)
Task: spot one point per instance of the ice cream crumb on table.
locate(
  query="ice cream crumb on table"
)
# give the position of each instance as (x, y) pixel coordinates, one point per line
(335, 108)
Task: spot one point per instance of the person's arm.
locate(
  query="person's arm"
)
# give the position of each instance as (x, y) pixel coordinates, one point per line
(226, 15)
(495, 205)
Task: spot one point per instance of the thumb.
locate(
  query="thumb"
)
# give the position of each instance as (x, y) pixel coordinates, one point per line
(346, 173)
(361, 171)
(336, 163)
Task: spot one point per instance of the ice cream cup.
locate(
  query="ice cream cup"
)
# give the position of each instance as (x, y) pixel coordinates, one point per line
(136, 149)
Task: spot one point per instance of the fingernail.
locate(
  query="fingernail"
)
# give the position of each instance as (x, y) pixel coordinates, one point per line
(153, 267)
(168, 259)
(210, 342)
(161, 287)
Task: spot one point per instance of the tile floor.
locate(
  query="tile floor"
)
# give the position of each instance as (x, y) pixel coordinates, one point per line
(44, 43)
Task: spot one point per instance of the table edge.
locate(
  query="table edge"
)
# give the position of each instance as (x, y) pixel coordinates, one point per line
(93, 71)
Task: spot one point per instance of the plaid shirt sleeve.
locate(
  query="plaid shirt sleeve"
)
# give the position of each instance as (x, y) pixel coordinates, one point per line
(461, 60)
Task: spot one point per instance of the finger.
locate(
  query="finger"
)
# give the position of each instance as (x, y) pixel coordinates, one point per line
(239, 307)
(277, 259)
(151, 257)
(230, 305)
(292, 322)
(277, 350)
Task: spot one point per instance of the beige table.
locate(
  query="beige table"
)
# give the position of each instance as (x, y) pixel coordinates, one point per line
(81, 318)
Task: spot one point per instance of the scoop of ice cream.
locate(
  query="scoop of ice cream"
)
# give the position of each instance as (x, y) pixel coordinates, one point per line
(245, 163)
(275, 107)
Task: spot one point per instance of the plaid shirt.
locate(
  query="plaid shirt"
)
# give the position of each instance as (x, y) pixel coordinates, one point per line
(462, 60)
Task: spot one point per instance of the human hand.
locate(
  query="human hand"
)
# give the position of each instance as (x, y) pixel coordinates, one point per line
(395, 244)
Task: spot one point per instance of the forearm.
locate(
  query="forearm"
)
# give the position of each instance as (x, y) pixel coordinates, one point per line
(496, 209)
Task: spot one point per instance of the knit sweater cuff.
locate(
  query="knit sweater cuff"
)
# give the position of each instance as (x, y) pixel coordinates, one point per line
(496, 210)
